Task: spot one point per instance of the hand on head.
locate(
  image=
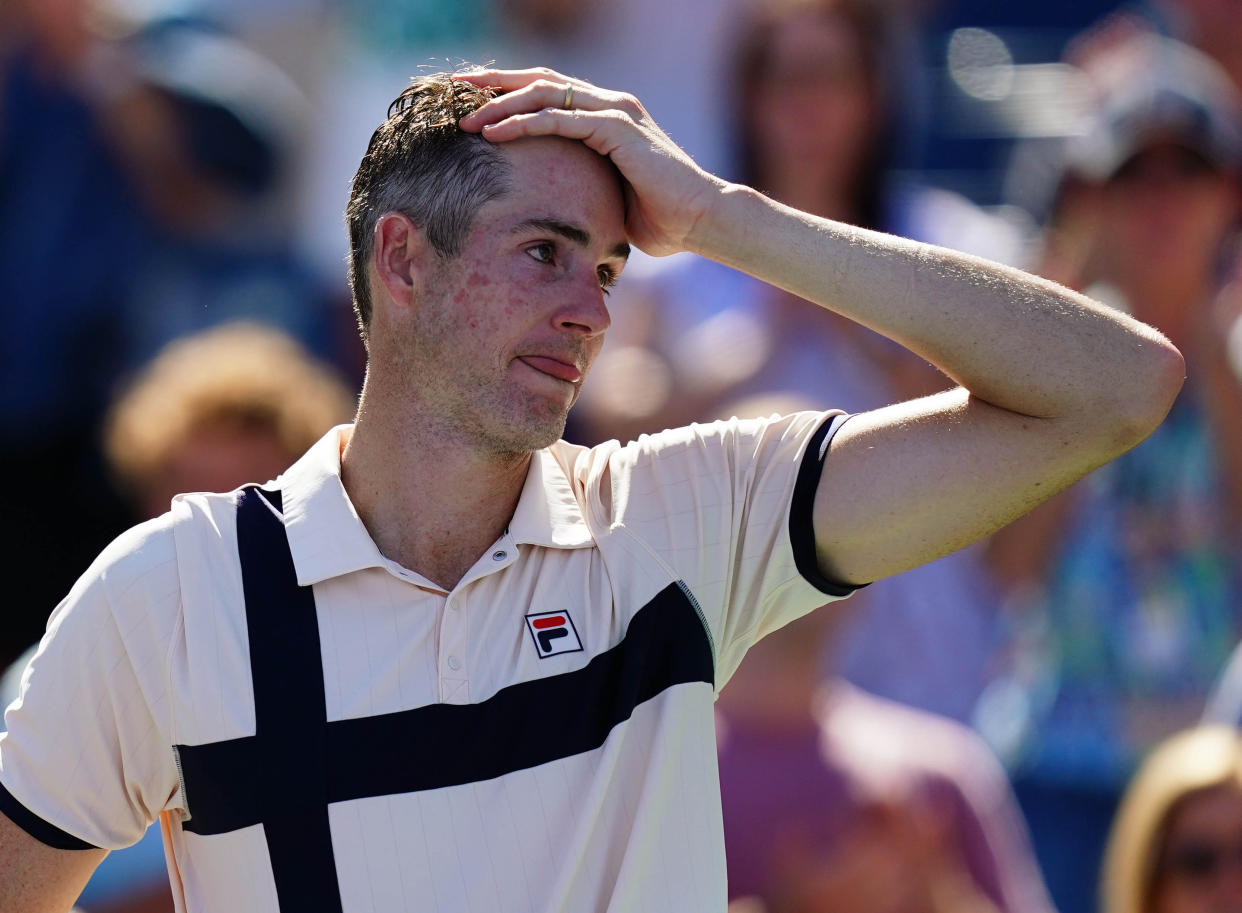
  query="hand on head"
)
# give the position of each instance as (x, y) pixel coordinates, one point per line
(666, 192)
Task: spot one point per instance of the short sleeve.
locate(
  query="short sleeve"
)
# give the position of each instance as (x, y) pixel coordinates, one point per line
(728, 507)
(86, 761)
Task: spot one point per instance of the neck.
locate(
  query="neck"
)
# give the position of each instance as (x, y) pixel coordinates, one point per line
(430, 502)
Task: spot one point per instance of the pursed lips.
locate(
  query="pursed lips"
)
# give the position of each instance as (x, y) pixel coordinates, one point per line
(562, 370)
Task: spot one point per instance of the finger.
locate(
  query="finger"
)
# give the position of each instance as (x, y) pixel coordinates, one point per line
(543, 94)
(512, 80)
(602, 131)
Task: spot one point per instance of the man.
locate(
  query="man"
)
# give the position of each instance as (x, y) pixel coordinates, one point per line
(448, 663)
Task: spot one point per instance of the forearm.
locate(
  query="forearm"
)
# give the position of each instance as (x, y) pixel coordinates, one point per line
(1011, 339)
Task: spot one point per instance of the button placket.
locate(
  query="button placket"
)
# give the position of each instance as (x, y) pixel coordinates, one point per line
(454, 678)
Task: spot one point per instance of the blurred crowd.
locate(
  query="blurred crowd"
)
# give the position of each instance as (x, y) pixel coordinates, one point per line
(1044, 721)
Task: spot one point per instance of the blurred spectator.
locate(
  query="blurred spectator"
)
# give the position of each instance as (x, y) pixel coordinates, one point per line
(1212, 26)
(231, 405)
(235, 404)
(1176, 844)
(812, 122)
(1126, 590)
(136, 160)
(687, 45)
(836, 800)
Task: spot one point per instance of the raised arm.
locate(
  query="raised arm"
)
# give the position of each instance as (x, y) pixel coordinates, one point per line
(1052, 384)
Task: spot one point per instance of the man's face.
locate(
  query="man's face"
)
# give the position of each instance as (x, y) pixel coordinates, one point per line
(504, 334)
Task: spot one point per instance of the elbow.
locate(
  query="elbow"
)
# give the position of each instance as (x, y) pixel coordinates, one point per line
(1153, 389)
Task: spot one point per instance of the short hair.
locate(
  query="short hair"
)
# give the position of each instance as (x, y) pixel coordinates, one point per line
(420, 163)
(239, 375)
(1183, 765)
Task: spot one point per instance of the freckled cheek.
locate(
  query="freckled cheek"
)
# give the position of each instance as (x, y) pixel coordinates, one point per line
(472, 302)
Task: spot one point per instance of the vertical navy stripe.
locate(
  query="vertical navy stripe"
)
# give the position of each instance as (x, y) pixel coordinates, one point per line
(290, 712)
(296, 764)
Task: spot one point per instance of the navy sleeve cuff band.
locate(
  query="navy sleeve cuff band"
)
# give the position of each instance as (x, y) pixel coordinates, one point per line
(801, 512)
(36, 827)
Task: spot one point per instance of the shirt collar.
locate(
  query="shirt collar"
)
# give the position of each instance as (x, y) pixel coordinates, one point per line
(326, 535)
(548, 512)
(328, 539)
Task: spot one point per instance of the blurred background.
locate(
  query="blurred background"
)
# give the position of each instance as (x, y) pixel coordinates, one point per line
(173, 177)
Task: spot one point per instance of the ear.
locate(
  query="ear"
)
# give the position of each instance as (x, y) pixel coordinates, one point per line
(400, 258)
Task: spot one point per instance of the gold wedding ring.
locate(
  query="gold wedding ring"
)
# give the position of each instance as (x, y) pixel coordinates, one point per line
(569, 97)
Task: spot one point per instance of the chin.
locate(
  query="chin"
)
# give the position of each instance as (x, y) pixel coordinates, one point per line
(531, 435)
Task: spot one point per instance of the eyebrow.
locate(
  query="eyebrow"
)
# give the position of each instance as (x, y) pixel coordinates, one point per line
(571, 232)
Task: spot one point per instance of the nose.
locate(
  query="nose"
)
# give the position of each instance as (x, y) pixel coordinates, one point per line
(585, 311)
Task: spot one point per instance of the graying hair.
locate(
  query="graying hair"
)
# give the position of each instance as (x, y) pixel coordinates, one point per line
(420, 163)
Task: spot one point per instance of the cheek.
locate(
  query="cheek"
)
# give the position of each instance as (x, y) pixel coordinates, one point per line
(472, 303)
(1172, 898)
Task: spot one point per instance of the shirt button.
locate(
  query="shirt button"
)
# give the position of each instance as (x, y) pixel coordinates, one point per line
(499, 555)
(454, 663)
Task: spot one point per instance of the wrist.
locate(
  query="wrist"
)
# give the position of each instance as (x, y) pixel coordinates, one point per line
(723, 220)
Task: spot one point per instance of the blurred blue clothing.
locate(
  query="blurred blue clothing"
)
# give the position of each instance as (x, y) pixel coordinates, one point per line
(1139, 613)
(71, 233)
(93, 283)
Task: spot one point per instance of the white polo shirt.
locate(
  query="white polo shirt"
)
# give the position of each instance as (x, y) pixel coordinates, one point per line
(538, 739)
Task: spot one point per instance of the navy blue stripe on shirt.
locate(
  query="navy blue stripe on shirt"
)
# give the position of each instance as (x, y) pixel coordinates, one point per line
(802, 510)
(32, 824)
(526, 724)
(290, 709)
(522, 726)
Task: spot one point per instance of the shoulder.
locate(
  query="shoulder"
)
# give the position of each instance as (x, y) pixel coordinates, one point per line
(140, 561)
(723, 454)
(137, 577)
(733, 436)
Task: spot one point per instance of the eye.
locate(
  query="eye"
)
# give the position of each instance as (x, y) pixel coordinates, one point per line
(607, 278)
(544, 252)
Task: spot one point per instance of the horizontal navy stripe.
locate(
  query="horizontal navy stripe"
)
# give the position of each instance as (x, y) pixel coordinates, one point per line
(32, 824)
(522, 726)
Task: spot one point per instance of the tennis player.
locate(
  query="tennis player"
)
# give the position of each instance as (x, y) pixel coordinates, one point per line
(448, 662)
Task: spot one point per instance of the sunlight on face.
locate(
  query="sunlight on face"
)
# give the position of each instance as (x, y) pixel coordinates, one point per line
(506, 332)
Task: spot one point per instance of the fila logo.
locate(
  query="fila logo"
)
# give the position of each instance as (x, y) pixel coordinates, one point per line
(554, 633)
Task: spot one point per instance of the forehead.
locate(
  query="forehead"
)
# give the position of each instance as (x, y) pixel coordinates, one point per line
(555, 178)
(1217, 809)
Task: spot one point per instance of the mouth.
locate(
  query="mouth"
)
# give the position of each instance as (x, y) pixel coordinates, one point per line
(553, 367)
